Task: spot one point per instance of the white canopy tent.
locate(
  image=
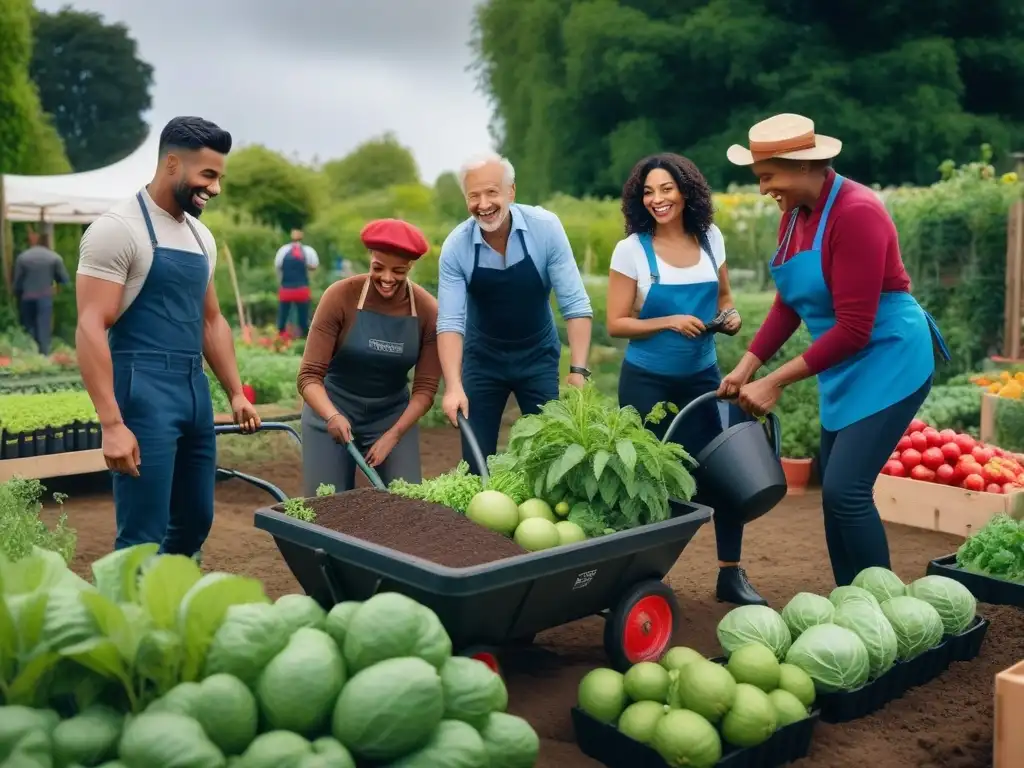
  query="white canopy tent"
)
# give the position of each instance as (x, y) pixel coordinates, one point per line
(77, 198)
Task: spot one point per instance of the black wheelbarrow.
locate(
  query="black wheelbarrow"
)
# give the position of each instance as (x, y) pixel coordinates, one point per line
(483, 607)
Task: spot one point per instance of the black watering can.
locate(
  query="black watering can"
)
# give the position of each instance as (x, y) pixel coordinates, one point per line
(739, 472)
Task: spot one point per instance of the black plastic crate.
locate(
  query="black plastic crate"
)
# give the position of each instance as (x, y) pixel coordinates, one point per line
(69, 437)
(987, 589)
(610, 747)
(11, 444)
(54, 440)
(845, 706)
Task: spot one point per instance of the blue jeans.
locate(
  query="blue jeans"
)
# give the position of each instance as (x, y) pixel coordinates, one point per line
(643, 390)
(850, 461)
(165, 401)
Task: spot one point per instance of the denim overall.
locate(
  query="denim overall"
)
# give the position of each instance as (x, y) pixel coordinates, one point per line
(511, 346)
(156, 348)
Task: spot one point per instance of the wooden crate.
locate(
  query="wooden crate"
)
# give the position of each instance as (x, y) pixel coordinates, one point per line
(1008, 743)
(941, 507)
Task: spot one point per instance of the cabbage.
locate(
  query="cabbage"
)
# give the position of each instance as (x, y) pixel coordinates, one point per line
(954, 602)
(754, 624)
(918, 625)
(805, 610)
(874, 630)
(841, 595)
(880, 582)
(834, 658)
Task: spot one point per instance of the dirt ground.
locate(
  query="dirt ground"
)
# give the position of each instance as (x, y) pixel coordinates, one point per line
(946, 724)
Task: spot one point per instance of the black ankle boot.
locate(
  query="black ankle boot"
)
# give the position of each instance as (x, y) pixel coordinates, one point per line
(733, 587)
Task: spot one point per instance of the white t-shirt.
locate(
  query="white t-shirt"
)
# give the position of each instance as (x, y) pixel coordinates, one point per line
(312, 259)
(116, 247)
(629, 259)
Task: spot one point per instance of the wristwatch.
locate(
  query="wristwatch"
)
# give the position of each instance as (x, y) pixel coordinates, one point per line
(581, 370)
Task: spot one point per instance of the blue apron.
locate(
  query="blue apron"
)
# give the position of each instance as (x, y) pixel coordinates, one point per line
(897, 360)
(670, 353)
(294, 270)
(511, 345)
(156, 347)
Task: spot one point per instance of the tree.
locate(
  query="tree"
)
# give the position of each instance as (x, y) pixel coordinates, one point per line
(375, 164)
(263, 183)
(583, 89)
(92, 81)
(28, 142)
(450, 201)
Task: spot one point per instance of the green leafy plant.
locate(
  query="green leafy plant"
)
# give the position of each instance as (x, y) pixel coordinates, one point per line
(615, 472)
(995, 550)
(21, 529)
(298, 509)
(325, 489)
(455, 488)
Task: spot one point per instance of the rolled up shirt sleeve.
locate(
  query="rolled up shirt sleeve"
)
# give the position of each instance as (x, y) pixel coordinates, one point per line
(564, 274)
(451, 288)
(106, 250)
(859, 243)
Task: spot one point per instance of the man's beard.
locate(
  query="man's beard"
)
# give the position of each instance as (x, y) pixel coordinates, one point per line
(499, 220)
(183, 197)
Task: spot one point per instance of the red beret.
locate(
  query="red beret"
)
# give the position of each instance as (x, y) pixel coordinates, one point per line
(395, 236)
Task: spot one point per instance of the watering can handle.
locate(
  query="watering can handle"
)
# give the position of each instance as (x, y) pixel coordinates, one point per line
(474, 446)
(772, 421)
(370, 472)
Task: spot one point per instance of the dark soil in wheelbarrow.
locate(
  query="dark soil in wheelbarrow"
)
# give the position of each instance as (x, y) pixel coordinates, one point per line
(945, 724)
(420, 528)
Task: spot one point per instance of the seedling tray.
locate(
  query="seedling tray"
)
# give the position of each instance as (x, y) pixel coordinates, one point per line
(50, 440)
(987, 589)
(610, 747)
(845, 706)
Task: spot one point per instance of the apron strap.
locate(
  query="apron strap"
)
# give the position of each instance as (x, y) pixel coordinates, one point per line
(149, 220)
(647, 242)
(362, 293)
(195, 234)
(412, 297)
(783, 248)
(705, 246)
(819, 236)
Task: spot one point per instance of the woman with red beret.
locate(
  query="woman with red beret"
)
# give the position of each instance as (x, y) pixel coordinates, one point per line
(838, 270)
(367, 333)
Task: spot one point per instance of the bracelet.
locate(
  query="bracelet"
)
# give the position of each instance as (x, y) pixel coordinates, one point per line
(335, 415)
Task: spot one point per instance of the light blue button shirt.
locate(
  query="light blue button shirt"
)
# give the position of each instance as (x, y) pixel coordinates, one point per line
(548, 246)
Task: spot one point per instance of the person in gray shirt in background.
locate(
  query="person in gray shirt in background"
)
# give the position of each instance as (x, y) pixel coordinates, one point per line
(36, 270)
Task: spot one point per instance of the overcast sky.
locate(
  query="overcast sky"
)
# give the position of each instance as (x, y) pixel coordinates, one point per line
(313, 77)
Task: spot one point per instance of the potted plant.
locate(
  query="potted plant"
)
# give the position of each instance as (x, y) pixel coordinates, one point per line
(801, 433)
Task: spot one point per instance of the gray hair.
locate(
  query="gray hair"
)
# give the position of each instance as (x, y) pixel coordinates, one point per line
(482, 159)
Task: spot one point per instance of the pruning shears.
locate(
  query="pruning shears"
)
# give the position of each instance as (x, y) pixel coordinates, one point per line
(717, 325)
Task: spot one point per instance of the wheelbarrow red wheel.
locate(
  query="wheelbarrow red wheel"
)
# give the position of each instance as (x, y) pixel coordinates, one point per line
(485, 654)
(641, 626)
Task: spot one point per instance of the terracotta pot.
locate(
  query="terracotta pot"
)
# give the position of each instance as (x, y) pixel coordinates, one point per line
(798, 474)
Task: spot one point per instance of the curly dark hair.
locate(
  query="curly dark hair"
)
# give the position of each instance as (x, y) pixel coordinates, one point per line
(698, 212)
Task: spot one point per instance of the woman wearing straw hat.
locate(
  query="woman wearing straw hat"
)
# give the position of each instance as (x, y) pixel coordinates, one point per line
(838, 270)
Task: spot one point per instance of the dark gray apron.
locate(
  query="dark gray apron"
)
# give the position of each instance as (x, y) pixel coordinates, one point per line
(368, 382)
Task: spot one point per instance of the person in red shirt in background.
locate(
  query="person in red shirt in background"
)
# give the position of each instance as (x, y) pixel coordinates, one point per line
(293, 263)
(837, 269)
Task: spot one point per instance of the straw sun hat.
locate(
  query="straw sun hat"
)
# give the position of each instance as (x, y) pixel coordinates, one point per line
(786, 136)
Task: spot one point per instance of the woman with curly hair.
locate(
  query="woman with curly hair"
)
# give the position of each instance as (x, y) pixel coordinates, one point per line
(668, 280)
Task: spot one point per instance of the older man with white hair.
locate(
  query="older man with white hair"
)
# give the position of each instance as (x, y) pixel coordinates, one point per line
(496, 332)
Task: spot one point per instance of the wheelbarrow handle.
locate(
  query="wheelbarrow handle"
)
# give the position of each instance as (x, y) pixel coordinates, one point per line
(474, 446)
(772, 425)
(266, 426)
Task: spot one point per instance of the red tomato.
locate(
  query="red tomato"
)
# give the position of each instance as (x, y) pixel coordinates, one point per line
(932, 436)
(933, 458)
(918, 441)
(993, 488)
(965, 442)
(921, 472)
(904, 443)
(894, 455)
(1010, 487)
(250, 393)
(894, 468)
(945, 474)
(951, 451)
(916, 426)
(947, 435)
(997, 451)
(910, 458)
(958, 475)
(974, 482)
(982, 455)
